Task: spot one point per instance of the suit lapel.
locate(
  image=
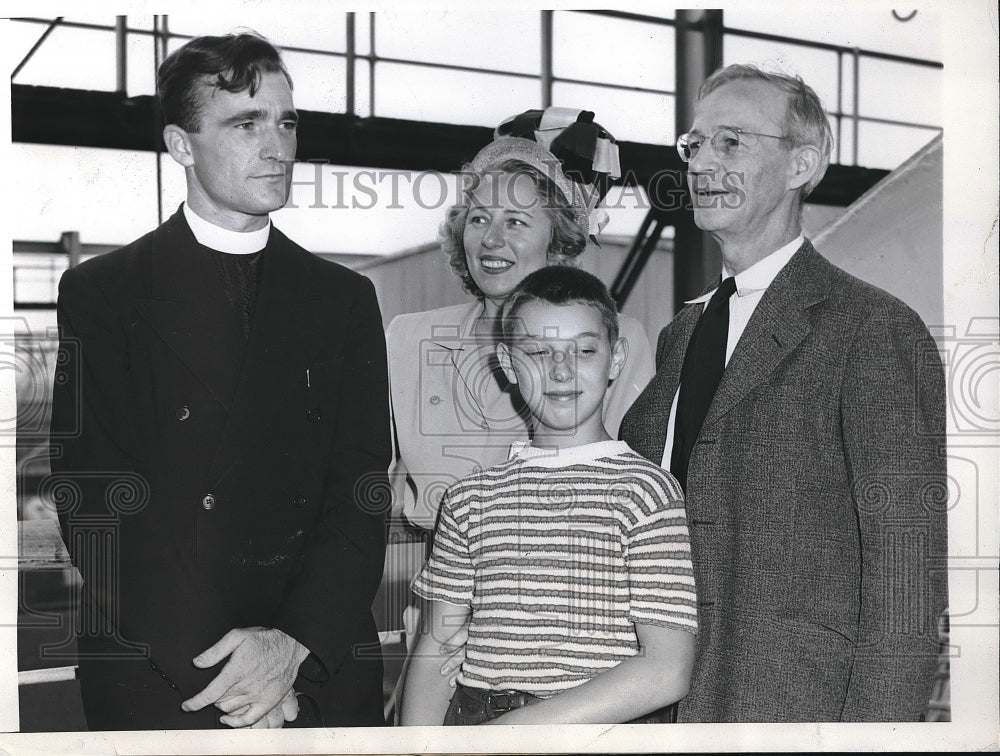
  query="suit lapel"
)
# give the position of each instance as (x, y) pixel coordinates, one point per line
(659, 396)
(777, 327)
(189, 310)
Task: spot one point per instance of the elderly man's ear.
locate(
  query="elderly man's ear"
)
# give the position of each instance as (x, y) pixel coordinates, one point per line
(805, 163)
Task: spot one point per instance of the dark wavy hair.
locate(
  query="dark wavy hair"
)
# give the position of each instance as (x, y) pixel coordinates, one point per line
(560, 285)
(232, 63)
(565, 244)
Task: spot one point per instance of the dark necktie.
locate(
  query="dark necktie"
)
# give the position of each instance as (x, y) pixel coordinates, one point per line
(704, 362)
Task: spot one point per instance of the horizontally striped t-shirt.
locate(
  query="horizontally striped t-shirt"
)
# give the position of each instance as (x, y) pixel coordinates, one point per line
(559, 556)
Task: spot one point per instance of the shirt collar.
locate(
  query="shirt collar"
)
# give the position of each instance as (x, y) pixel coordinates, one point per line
(222, 239)
(572, 455)
(759, 275)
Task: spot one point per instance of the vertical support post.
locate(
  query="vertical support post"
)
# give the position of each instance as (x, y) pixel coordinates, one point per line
(351, 60)
(374, 59)
(546, 79)
(69, 242)
(857, 100)
(159, 53)
(697, 257)
(840, 103)
(121, 55)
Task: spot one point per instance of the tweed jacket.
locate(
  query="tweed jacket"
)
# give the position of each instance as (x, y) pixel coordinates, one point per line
(231, 473)
(452, 415)
(815, 502)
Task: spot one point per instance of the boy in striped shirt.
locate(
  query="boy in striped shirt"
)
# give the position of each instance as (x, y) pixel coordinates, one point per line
(571, 560)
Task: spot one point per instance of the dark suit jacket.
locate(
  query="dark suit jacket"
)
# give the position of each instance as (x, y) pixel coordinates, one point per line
(816, 504)
(224, 482)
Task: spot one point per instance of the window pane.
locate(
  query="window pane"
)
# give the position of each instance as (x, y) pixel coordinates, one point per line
(869, 26)
(362, 88)
(882, 145)
(92, 54)
(36, 277)
(365, 210)
(140, 22)
(504, 41)
(900, 92)
(643, 53)
(109, 196)
(320, 81)
(629, 116)
(627, 208)
(321, 29)
(847, 85)
(817, 67)
(451, 96)
(843, 141)
(141, 65)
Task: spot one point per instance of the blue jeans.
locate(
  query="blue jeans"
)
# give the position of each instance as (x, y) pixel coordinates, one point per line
(473, 706)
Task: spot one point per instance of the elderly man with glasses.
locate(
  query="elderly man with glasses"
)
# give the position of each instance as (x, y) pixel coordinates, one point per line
(803, 411)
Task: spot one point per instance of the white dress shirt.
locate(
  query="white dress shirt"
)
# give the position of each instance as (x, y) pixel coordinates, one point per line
(750, 287)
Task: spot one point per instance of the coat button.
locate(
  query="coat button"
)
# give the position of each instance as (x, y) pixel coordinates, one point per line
(208, 502)
(435, 399)
(183, 413)
(314, 415)
(299, 501)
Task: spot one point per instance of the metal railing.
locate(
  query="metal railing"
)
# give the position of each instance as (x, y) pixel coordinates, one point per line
(161, 34)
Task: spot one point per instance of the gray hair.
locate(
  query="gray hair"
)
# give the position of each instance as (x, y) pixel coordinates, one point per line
(806, 122)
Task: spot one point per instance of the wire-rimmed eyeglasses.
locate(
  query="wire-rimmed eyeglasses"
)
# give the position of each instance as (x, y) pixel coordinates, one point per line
(725, 142)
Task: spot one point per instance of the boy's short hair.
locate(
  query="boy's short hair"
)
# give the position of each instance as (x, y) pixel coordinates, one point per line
(560, 285)
(232, 63)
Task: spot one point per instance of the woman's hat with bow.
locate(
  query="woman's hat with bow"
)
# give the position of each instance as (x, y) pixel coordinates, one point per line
(578, 155)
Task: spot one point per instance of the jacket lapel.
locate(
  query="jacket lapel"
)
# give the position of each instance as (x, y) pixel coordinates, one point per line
(188, 309)
(777, 327)
(664, 384)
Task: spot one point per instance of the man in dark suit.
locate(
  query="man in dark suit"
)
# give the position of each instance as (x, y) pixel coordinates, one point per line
(222, 402)
(803, 410)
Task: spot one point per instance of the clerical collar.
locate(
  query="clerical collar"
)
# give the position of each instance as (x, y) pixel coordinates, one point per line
(224, 240)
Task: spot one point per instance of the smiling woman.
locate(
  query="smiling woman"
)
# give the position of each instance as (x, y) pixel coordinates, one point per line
(532, 199)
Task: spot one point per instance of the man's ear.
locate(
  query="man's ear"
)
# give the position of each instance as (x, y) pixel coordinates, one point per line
(805, 163)
(506, 362)
(178, 143)
(619, 356)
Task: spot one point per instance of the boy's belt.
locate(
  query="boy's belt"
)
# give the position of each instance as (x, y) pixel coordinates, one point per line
(496, 702)
(505, 700)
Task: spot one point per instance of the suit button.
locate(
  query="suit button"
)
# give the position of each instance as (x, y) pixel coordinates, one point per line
(208, 502)
(299, 501)
(435, 399)
(314, 415)
(183, 413)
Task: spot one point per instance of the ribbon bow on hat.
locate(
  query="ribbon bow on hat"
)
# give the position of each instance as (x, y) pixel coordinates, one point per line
(580, 156)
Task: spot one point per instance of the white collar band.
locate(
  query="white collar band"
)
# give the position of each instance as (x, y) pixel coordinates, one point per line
(224, 240)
